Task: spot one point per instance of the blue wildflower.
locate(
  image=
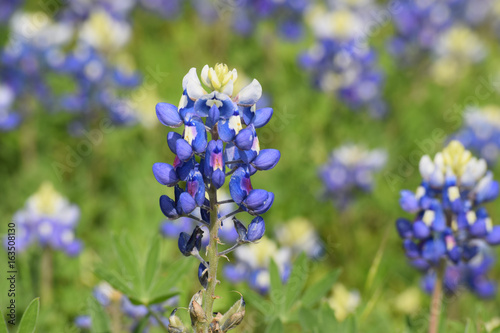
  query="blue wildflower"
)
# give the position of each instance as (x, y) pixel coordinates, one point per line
(49, 219)
(451, 231)
(350, 169)
(219, 140)
(481, 132)
(339, 61)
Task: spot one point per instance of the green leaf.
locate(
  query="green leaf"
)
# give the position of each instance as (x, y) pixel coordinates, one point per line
(351, 324)
(328, 321)
(3, 324)
(114, 280)
(30, 317)
(315, 292)
(276, 291)
(175, 271)
(308, 320)
(162, 297)
(296, 282)
(152, 264)
(256, 301)
(100, 321)
(275, 327)
(470, 327)
(128, 261)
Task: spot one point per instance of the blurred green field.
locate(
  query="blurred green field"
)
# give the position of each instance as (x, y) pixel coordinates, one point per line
(117, 193)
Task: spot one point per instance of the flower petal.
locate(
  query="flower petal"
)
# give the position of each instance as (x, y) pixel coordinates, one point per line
(256, 229)
(267, 159)
(168, 115)
(165, 174)
(250, 94)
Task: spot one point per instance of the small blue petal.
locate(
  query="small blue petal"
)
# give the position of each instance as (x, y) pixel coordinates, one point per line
(421, 230)
(226, 134)
(182, 243)
(409, 202)
(493, 237)
(167, 114)
(239, 185)
(488, 193)
(213, 116)
(411, 249)
(265, 206)
(478, 228)
(186, 203)
(256, 229)
(404, 227)
(244, 139)
(255, 199)
(183, 150)
(167, 207)
(172, 138)
(262, 117)
(218, 178)
(267, 159)
(165, 174)
(433, 250)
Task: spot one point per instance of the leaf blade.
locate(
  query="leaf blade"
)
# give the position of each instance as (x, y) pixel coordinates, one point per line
(314, 293)
(151, 267)
(30, 317)
(99, 319)
(297, 281)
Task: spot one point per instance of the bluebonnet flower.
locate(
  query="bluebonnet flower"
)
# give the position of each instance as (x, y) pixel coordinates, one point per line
(340, 63)
(108, 297)
(99, 86)
(351, 168)
(452, 230)
(287, 14)
(441, 31)
(105, 31)
(456, 50)
(219, 140)
(24, 68)
(481, 132)
(300, 235)
(49, 219)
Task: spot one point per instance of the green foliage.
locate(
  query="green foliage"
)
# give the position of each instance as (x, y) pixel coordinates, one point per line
(3, 324)
(100, 320)
(142, 282)
(30, 317)
(294, 301)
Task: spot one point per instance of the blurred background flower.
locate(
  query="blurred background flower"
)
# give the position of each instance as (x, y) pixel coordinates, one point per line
(350, 169)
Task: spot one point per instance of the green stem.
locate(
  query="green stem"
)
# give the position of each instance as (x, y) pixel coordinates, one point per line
(115, 317)
(213, 258)
(436, 301)
(47, 277)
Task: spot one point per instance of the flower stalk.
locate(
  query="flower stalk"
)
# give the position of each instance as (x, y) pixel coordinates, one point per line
(436, 303)
(46, 292)
(213, 257)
